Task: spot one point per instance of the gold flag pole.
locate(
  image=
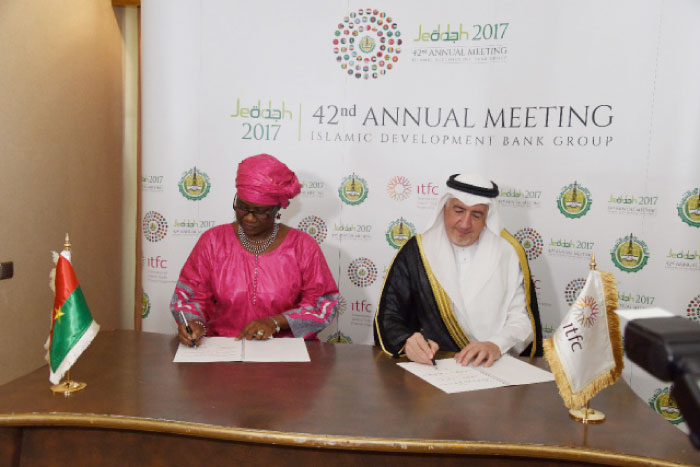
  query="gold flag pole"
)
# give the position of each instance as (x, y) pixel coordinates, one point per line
(585, 414)
(67, 387)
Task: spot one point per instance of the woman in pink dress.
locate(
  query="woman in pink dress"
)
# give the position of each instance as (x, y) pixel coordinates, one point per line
(256, 278)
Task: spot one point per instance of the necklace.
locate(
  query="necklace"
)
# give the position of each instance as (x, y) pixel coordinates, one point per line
(256, 248)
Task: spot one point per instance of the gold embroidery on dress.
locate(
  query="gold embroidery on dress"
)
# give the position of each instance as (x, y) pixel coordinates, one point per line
(443, 302)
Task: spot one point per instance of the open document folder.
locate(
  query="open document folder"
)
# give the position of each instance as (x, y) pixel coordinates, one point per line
(451, 377)
(228, 349)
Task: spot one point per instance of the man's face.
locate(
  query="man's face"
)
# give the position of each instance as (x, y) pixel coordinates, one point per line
(464, 223)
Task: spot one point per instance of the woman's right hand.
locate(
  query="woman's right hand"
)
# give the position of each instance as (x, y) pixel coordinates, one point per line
(198, 332)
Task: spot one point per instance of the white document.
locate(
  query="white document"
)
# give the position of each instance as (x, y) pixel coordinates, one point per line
(451, 377)
(284, 349)
(228, 349)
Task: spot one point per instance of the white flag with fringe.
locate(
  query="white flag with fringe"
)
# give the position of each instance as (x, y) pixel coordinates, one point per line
(585, 352)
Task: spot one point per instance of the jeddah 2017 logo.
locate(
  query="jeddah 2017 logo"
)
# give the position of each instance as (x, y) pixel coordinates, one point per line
(399, 188)
(399, 232)
(689, 208)
(572, 290)
(630, 254)
(531, 241)
(314, 226)
(574, 201)
(154, 226)
(194, 185)
(367, 43)
(362, 272)
(353, 190)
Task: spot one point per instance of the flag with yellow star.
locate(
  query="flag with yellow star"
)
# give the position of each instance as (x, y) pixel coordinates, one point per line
(72, 326)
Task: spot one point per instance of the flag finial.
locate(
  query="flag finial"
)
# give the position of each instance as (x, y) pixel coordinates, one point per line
(66, 243)
(592, 264)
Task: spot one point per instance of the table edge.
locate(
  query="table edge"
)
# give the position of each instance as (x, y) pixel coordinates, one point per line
(332, 442)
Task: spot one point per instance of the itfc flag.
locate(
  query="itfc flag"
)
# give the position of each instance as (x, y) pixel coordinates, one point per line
(72, 326)
(585, 352)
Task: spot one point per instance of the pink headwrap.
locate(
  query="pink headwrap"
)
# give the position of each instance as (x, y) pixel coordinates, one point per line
(262, 179)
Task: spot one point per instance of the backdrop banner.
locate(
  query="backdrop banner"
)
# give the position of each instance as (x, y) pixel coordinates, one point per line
(585, 113)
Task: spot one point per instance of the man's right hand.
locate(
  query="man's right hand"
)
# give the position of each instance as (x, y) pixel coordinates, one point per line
(420, 350)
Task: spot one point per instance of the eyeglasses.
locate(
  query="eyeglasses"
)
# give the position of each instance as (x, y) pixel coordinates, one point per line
(260, 214)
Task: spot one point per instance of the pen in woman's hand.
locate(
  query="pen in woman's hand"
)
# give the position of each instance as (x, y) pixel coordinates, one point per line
(187, 327)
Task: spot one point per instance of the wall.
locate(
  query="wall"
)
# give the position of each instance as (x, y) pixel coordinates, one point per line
(61, 133)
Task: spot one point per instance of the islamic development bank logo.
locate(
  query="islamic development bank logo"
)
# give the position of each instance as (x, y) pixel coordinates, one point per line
(145, 305)
(630, 254)
(367, 43)
(531, 241)
(339, 338)
(154, 226)
(362, 272)
(399, 188)
(399, 232)
(666, 405)
(353, 190)
(314, 226)
(574, 201)
(689, 208)
(194, 185)
(572, 290)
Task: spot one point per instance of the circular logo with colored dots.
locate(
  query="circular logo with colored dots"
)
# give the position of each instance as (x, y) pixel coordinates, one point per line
(531, 241)
(572, 290)
(145, 305)
(367, 43)
(399, 232)
(630, 254)
(339, 338)
(586, 311)
(666, 405)
(154, 226)
(194, 184)
(574, 201)
(399, 188)
(689, 208)
(693, 310)
(362, 272)
(314, 226)
(353, 190)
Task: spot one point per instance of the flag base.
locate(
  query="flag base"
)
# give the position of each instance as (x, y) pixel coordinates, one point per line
(586, 415)
(67, 387)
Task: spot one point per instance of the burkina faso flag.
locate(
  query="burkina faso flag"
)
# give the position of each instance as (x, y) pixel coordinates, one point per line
(72, 326)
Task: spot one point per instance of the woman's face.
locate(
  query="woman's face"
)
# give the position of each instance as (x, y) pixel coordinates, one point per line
(255, 219)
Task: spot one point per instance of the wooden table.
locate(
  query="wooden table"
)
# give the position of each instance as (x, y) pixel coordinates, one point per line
(351, 405)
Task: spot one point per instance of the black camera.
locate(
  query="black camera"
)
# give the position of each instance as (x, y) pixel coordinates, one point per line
(669, 349)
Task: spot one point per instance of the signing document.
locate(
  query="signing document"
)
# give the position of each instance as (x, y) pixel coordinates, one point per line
(451, 377)
(228, 349)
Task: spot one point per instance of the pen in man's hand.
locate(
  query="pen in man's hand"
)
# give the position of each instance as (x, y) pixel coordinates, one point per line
(187, 327)
(432, 359)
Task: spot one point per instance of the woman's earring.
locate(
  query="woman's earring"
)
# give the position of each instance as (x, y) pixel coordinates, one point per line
(278, 216)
